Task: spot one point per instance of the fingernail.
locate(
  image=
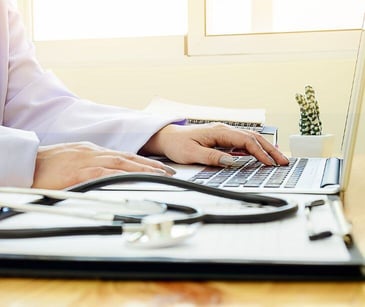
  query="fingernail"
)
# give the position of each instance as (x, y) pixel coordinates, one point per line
(273, 163)
(169, 169)
(159, 171)
(226, 160)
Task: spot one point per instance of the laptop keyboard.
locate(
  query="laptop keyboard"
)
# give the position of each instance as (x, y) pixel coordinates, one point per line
(248, 172)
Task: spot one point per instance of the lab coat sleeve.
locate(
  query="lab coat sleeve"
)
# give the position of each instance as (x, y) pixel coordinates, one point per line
(17, 155)
(37, 101)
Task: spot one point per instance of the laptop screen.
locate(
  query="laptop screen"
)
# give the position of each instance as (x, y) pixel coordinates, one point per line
(353, 112)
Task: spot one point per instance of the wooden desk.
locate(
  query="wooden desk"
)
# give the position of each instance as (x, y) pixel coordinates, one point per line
(44, 292)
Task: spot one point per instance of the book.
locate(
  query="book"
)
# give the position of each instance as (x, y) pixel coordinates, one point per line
(245, 118)
(242, 118)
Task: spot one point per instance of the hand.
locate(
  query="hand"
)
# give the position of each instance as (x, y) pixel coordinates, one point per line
(63, 165)
(195, 144)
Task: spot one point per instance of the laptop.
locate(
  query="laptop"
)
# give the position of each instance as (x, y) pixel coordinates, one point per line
(302, 175)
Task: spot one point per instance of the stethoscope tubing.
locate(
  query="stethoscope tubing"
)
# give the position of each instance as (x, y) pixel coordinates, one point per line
(282, 208)
(184, 184)
(27, 233)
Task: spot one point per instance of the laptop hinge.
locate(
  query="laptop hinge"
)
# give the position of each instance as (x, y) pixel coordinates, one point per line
(331, 174)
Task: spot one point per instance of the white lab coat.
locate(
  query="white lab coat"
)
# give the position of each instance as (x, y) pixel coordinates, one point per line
(36, 109)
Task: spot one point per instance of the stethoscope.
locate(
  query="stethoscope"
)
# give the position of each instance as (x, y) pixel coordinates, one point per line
(145, 219)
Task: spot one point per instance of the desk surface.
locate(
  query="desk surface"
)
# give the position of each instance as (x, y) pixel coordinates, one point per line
(54, 292)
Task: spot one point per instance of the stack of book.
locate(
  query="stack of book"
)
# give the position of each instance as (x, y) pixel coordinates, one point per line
(242, 118)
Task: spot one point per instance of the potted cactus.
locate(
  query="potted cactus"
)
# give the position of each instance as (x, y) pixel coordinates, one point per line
(311, 142)
(309, 122)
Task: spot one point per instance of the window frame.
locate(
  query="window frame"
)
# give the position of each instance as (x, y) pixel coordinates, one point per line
(303, 42)
(191, 48)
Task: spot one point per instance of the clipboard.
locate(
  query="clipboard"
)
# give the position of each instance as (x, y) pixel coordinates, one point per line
(219, 252)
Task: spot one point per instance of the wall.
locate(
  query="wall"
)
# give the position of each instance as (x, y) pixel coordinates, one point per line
(222, 81)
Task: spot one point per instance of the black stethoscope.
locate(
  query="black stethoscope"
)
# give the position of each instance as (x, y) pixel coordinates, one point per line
(271, 208)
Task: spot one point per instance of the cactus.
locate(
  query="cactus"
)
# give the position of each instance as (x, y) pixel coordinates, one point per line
(309, 123)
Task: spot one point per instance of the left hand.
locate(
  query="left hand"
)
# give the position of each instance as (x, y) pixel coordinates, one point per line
(62, 165)
(195, 144)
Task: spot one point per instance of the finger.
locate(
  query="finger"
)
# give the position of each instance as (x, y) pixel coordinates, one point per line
(264, 151)
(153, 163)
(91, 173)
(119, 160)
(211, 156)
(253, 142)
(276, 154)
(128, 165)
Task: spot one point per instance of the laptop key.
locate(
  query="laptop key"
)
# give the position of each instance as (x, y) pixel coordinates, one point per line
(294, 177)
(241, 177)
(259, 177)
(279, 175)
(236, 181)
(215, 176)
(206, 173)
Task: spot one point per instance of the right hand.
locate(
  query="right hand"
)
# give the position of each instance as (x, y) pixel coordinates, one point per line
(63, 165)
(196, 144)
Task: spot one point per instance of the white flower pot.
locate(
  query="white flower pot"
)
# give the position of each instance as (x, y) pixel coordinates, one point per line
(311, 145)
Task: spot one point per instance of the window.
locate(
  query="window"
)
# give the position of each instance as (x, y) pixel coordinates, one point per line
(105, 32)
(273, 26)
(85, 19)
(214, 27)
(255, 16)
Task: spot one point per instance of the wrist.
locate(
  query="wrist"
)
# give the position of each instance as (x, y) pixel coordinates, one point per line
(154, 146)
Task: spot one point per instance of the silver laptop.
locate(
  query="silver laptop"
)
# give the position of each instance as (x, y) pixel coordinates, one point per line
(302, 175)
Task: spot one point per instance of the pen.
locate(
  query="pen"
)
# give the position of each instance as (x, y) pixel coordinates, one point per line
(344, 226)
(312, 234)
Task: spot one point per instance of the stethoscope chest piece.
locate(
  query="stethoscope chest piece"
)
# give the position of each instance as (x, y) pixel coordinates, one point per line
(159, 231)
